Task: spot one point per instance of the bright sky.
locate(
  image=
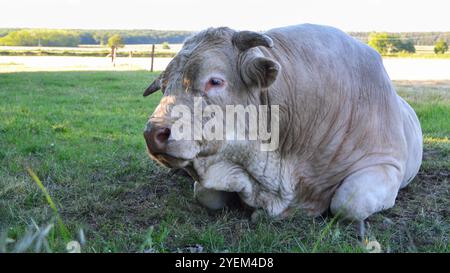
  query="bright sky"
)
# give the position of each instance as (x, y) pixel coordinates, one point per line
(349, 15)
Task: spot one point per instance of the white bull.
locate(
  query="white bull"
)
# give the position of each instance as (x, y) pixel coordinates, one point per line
(347, 141)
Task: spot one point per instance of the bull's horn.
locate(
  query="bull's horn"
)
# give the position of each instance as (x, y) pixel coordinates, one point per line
(244, 40)
(154, 86)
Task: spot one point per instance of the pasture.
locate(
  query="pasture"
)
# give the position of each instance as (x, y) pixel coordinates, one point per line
(81, 133)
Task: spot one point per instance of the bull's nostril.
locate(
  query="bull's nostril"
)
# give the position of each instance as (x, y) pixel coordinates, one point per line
(163, 135)
(156, 139)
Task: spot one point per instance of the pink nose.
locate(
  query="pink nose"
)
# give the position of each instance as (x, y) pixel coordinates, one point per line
(156, 139)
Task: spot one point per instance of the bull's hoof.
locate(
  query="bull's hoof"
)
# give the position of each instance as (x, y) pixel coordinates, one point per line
(212, 199)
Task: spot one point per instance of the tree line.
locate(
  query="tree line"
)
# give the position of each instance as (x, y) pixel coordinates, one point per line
(53, 37)
(417, 38)
(40, 38)
(384, 42)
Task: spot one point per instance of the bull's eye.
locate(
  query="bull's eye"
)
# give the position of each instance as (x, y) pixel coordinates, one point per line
(214, 83)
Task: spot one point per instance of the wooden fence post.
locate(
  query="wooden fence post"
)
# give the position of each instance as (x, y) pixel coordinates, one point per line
(153, 57)
(113, 55)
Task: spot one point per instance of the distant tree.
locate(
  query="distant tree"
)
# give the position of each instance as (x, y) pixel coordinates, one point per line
(441, 47)
(386, 43)
(379, 42)
(165, 45)
(407, 46)
(115, 42)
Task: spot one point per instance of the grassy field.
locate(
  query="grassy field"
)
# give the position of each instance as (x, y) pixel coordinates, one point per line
(81, 133)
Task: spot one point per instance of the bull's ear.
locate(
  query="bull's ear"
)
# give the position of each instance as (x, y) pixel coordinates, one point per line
(257, 70)
(260, 71)
(244, 40)
(154, 86)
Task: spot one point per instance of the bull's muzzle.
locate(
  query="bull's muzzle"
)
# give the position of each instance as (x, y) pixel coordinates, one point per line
(156, 139)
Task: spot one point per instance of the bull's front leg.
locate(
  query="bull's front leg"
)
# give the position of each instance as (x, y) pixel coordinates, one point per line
(228, 177)
(211, 199)
(222, 179)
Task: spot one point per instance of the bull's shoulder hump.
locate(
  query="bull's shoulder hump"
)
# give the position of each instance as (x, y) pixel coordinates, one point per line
(313, 33)
(306, 29)
(317, 37)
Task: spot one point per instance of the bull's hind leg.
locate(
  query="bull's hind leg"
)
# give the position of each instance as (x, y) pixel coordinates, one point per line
(366, 192)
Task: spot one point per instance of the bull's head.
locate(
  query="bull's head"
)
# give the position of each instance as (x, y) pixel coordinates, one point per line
(221, 66)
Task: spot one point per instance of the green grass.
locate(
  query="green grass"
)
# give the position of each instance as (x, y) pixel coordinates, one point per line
(431, 101)
(81, 133)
